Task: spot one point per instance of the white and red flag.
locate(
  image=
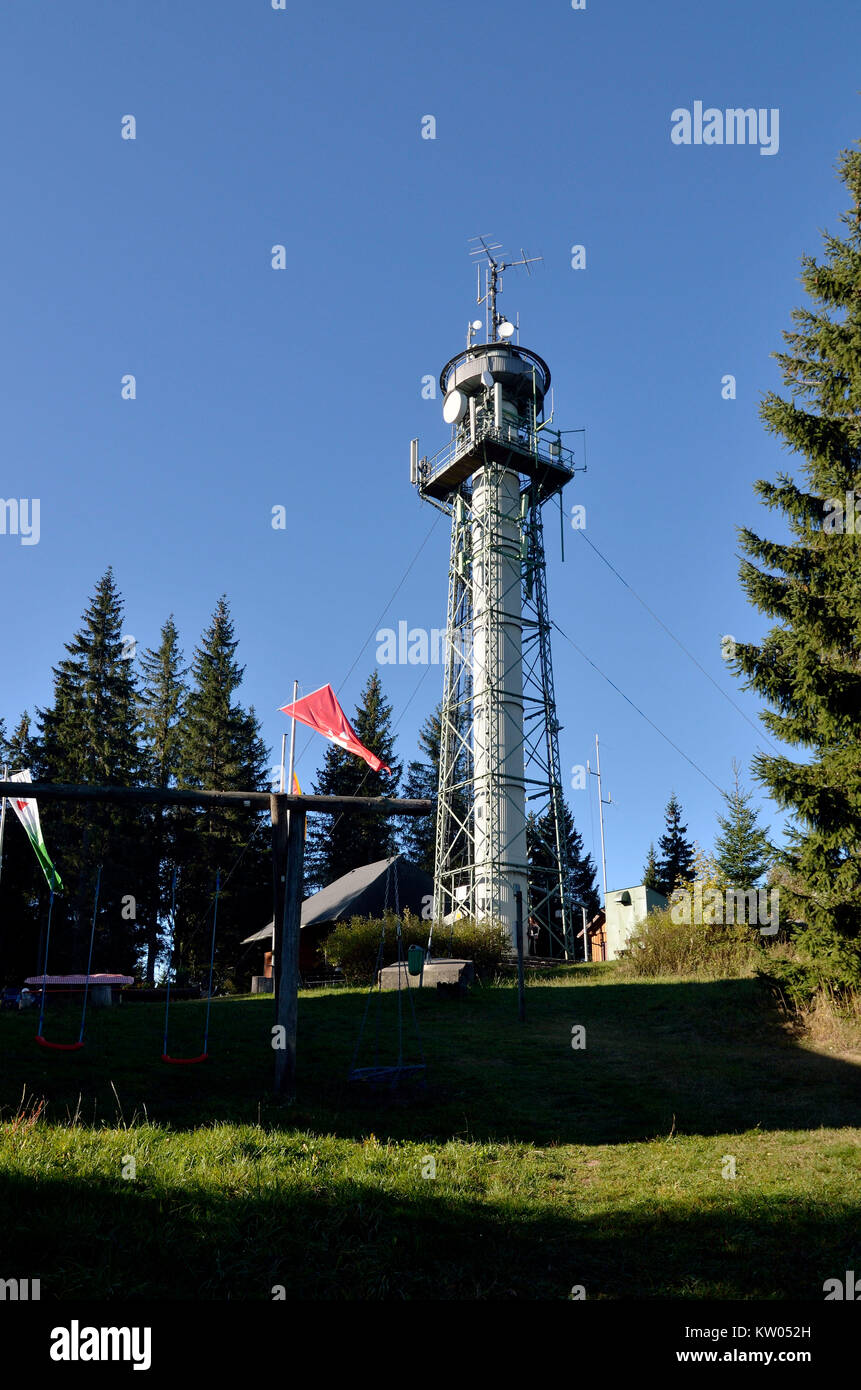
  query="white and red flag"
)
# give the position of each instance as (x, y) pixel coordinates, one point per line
(321, 711)
(27, 811)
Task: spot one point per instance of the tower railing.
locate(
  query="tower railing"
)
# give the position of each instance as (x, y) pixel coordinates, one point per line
(543, 446)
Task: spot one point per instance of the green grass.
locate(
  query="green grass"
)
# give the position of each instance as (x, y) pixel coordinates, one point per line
(554, 1166)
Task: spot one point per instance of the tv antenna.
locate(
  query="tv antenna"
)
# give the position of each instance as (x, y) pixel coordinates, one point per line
(497, 326)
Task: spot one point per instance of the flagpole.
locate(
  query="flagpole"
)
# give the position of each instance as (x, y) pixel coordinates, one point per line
(290, 784)
(292, 739)
(3, 818)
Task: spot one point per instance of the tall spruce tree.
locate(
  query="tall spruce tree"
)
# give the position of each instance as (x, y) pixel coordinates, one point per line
(677, 854)
(163, 694)
(742, 850)
(89, 734)
(651, 875)
(418, 833)
(220, 748)
(582, 890)
(422, 780)
(808, 667)
(583, 871)
(338, 843)
(19, 749)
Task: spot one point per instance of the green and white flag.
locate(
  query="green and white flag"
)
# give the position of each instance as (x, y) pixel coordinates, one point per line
(27, 812)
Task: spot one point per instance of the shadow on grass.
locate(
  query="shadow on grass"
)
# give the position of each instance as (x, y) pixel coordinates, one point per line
(113, 1240)
(697, 1058)
(693, 1058)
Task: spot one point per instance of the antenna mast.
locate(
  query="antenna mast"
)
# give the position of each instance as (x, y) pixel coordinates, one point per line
(493, 281)
(601, 804)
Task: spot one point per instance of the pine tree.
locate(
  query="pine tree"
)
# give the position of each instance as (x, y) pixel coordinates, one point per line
(162, 701)
(162, 697)
(339, 843)
(677, 851)
(418, 833)
(583, 871)
(651, 875)
(808, 667)
(90, 731)
(581, 886)
(220, 748)
(742, 850)
(423, 781)
(19, 750)
(89, 734)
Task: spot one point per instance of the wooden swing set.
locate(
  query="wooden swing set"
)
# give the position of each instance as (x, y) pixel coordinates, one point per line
(288, 813)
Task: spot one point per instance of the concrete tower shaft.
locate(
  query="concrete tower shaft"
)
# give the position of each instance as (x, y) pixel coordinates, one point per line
(499, 805)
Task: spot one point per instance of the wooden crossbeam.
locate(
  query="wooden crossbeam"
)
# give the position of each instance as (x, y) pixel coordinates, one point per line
(190, 796)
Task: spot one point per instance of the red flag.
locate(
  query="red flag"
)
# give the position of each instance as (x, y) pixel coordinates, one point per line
(322, 712)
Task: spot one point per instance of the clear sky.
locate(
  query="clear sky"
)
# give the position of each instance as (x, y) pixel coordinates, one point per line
(301, 387)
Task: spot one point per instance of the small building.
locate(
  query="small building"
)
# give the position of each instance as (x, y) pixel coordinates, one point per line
(625, 909)
(363, 892)
(596, 948)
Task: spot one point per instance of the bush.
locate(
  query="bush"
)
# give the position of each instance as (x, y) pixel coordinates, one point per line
(487, 946)
(660, 946)
(800, 981)
(832, 1019)
(354, 945)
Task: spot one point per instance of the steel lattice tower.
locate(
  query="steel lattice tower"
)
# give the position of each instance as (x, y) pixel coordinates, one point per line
(499, 748)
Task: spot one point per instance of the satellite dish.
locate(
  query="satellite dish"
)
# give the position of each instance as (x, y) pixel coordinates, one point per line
(505, 329)
(454, 407)
(476, 324)
(487, 379)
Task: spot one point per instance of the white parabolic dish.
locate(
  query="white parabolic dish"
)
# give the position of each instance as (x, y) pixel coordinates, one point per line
(454, 407)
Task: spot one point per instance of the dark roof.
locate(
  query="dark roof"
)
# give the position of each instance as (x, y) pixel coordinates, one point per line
(362, 893)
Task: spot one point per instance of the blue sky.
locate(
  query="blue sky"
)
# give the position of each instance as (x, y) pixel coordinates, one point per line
(302, 387)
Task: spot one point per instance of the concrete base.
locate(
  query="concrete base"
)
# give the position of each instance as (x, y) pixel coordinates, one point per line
(436, 972)
(262, 984)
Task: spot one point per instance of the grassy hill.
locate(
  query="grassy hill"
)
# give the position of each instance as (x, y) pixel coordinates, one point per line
(555, 1167)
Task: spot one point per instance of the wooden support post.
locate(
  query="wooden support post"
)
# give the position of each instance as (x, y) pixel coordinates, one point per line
(288, 857)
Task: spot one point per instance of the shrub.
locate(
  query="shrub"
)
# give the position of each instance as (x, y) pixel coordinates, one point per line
(832, 1019)
(354, 945)
(716, 950)
(660, 946)
(799, 980)
(486, 945)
